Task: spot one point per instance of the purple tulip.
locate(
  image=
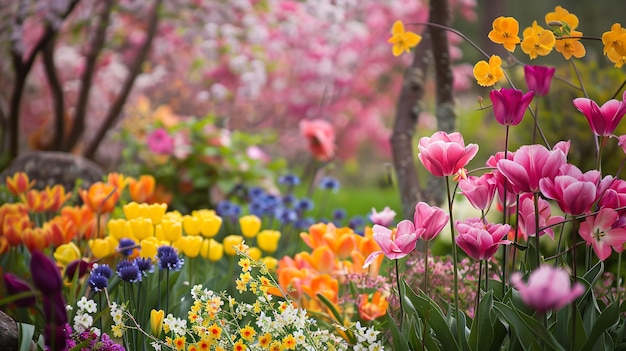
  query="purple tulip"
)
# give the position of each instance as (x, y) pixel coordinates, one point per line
(538, 78)
(509, 105)
(16, 286)
(45, 273)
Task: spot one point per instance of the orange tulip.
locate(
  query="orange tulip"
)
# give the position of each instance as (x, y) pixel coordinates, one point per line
(324, 285)
(82, 221)
(100, 198)
(374, 308)
(141, 190)
(323, 259)
(35, 200)
(4, 245)
(19, 183)
(13, 228)
(56, 197)
(11, 209)
(118, 180)
(35, 239)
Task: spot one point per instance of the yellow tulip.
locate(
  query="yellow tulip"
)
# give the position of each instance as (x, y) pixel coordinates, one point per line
(66, 253)
(210, 225)
(250, 225)
(141, 227)
(270, 262)
(172, 230)
(255, 253)
(191, 225)
(155, 212)
(230, 242)
(119, 228)
(190, 245)
(212, 250)
(156, 322)
(148, 247)
(100, 247)
(158, 232)
(267, 240)
(131, 210)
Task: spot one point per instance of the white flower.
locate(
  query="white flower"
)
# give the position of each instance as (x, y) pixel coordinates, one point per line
(82, 322)
(88, 306)
(156, 345)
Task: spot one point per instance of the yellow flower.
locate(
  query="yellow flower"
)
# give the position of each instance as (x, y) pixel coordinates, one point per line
(141, 227)
(616, 58)
(505, 30)
(148, 247)
(239, 346)
(118, 330)
(119, 228)
(537, 41)
(254, 253)
(155, 212)
(270, 262)
(210, 225)
(215, 331)
(67, 253)
(132, 210)
(172, 230)
(190, 245)
(247, 333)
(156, 322)
(250, 225)
(101, 247)
(265, 340)
(244, 263)
(212, 250)
(267, 240)
(230, 243)
(289, 342)
(191, 225)
(561, 15)
(571, 46)
(180, 342)
(402, 41)
(488, 74)
(615, 44)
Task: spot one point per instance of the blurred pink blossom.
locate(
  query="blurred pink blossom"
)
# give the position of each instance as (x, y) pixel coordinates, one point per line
(548, 288)
(321, 137)
(160, 142)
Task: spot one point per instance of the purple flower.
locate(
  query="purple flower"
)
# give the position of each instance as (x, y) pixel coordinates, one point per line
(509, 105)
(160, 142)
(168, 258)
(104, 270)
(538, 78)
(16, 286)
(98, 282)
(45, 273)
(144, 265)
(128, 271)
(126, 246)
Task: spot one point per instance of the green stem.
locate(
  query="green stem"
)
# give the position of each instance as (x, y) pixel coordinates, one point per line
(454, 262)
(619, 278)
(426, 287)
(505, 216)
(477, 298)
(399, 293)
(538, 254)
(516, 235)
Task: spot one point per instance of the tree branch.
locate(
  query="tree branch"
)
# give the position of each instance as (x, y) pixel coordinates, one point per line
(57, 95)
(134, 70)
(78, 122)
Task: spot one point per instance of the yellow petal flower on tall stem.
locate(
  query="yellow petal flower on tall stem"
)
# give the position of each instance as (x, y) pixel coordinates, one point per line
(212, 250)
(66, 253)
(210, 225)
(615, 44)
(488, 74)
(571, 46)
(537, 41)
(402, 41)
(156, 322)
(250, 225)
(267, 240)
(230, 243)
(19, 183)
(141, 228)
(505, 30)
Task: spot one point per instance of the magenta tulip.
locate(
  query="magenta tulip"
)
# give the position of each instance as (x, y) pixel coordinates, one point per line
(603, 120)
(445, 154)
(479, 190)
(430, 218)
(530, 164)
(574, 191)
(480, 240)
(548, 288)
(599, 232)
(509, 105)
(613, 192)
(394, 245)
(538, 78)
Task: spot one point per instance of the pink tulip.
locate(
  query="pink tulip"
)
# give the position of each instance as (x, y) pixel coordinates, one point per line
(509, 105)
(603, 120)
(526, 217)
(480, 241)
(548, 288)
(479, 190)
(501, 180)
(321, 137)
(574, 191)
(538, 78)
(613, 192)
(530, 164)
(599, 232)
(383, 217)
(394, 245)
(621, 141)
(445, 154)
(430, 218)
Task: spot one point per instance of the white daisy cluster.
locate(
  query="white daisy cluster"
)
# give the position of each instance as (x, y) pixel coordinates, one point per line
(177, 326)
(117, 313)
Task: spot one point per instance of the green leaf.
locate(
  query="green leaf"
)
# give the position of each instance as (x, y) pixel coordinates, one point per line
(528, 330)
(481, 334)
(26, 332)
(399, 341)
(432, 316)
(607, 319)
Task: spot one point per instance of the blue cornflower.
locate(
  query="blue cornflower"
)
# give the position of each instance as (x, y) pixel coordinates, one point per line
(145, 265)
(168, 258)
(285, 215)
(255, 193)
(97, 282)
(304, 223)
(289, 199)
(256, 209)
(104, 270)
(128, 271)
(356, 222)
(329, 183)
(126, 246)
(339, 214)
(289, 180)
(226, 208)
(304, 205)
